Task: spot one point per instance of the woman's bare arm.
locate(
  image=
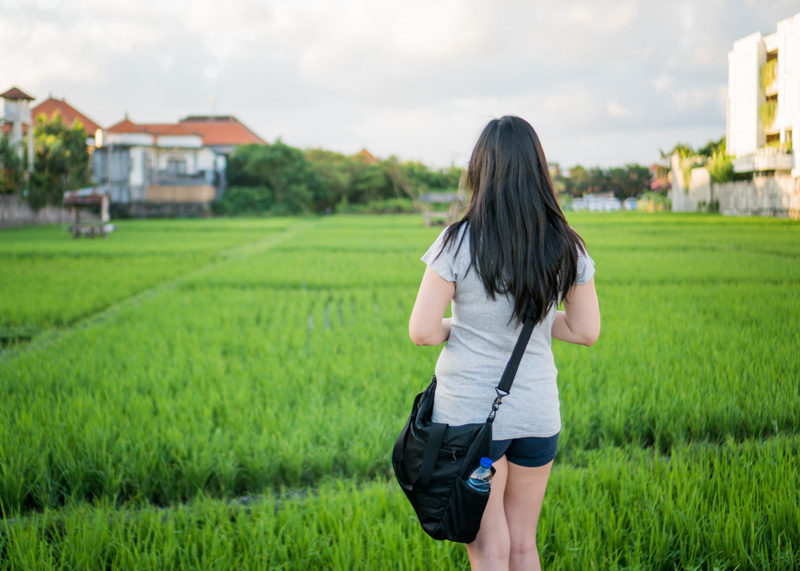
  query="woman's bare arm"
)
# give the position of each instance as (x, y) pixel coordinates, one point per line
(580, 321)
(428, 325)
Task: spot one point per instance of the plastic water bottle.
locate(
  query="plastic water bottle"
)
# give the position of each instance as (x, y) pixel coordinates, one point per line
(481, 478)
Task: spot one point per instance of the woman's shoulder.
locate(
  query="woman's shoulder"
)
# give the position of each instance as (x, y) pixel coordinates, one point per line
(457, 232)
(454, 241)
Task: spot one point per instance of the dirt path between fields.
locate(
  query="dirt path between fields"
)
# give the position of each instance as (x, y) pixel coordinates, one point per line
(49, 336)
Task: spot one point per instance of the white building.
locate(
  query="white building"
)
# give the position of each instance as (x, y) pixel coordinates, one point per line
(764, 101)
(155, 167)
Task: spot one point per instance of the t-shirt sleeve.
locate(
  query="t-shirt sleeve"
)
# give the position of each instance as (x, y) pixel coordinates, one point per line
(443, 265)
(585, 267)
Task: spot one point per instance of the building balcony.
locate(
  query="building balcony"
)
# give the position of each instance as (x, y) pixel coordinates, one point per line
(201, 178)
(765, 159)
(769, 112)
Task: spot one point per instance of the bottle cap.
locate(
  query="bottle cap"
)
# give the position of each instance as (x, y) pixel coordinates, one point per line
(486, 462)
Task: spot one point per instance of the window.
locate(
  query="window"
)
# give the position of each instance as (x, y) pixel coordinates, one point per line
(176, 166)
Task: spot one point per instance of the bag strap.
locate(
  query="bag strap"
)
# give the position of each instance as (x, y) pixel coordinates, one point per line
(431, 455)
(513, 364)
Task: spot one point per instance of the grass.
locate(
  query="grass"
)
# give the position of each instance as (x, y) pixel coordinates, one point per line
(277, 365)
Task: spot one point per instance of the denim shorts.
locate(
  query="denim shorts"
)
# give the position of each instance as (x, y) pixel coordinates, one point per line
(530, 452)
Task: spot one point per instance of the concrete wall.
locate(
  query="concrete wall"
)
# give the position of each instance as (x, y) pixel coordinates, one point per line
(763, 196)
(699, 190)
(14, 211)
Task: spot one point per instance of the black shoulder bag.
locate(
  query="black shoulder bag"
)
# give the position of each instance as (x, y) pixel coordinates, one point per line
(432, 461)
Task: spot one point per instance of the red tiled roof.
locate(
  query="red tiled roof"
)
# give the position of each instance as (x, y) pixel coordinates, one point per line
(367, 157)
(172, 129)
(126, 126)
(51, 107)
(222, 130)
(16, 93)
(226, 131)
(155, 129)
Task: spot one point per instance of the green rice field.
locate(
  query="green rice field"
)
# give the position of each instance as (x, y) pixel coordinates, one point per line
(225, 394)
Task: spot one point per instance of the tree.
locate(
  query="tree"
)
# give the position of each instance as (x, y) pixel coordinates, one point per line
(371, 183)
(712, 147)
(278, 178)
(578, 181)
(713, 155)
(337, 171)
(597, 180)
(630, 181)
(11, 167)
(60, 163)
(683, 149)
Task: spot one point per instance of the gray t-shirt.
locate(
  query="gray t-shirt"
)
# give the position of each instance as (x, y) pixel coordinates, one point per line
(480, 344)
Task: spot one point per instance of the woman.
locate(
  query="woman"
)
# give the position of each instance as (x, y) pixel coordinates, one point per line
(511, 255)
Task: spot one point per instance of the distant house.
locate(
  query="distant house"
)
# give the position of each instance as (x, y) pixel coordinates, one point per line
(156, 169)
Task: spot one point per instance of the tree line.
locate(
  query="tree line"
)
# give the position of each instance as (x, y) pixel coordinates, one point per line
(280, 179)
(624, 182)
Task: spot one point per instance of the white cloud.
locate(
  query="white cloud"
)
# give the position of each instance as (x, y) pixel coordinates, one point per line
(610, 18)
(617, 110)
(414, 78)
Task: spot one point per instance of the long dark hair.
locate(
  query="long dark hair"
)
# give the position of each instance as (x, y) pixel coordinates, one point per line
(520, 242)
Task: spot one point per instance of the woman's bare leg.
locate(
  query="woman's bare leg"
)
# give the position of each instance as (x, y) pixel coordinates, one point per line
(491, 548)
(523, 497)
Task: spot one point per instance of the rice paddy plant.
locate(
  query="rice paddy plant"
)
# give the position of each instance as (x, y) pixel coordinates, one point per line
(217, 395)
(694, 369)
(285, 370)
(137, 237)
(49, 279)
(318, 268)
(730, 506)
(46, 291)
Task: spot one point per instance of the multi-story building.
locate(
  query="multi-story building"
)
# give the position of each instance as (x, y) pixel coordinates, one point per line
(764, 101)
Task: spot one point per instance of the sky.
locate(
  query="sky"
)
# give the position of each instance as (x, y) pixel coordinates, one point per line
(604, 83)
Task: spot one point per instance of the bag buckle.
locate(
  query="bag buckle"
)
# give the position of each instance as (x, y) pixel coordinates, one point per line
(497, 402)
